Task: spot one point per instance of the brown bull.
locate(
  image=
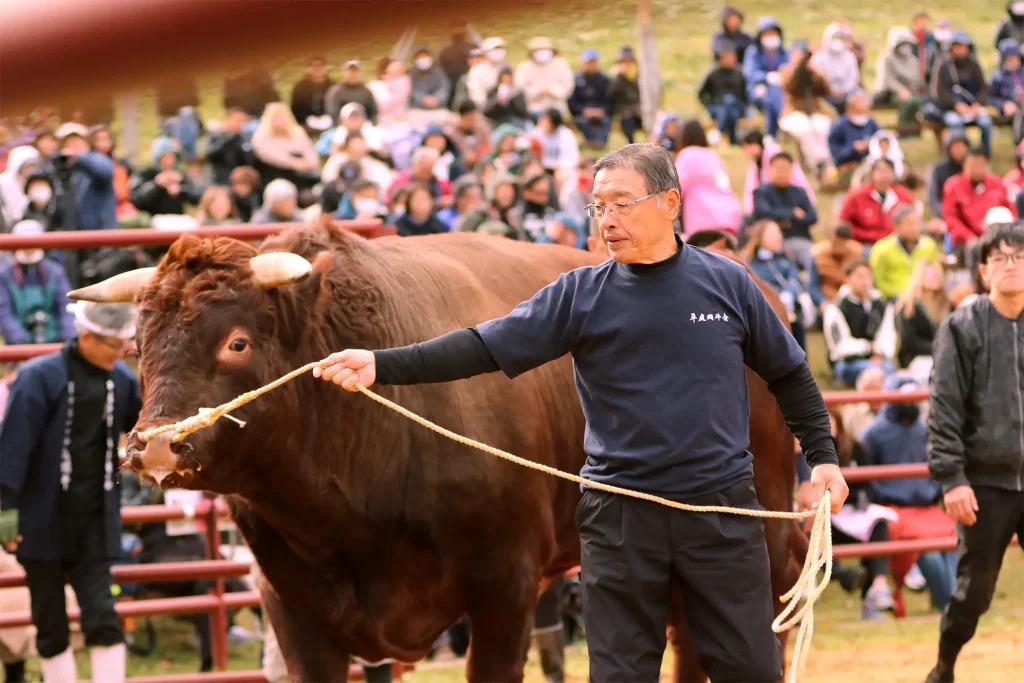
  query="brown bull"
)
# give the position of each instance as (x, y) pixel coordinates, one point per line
(375, 534)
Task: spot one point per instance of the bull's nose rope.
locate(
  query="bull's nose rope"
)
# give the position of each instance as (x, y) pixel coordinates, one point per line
(819, 549)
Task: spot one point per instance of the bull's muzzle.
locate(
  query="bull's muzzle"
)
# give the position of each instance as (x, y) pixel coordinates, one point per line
(154, 459)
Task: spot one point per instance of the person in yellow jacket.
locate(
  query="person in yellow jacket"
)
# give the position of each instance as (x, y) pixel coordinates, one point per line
(893, 257)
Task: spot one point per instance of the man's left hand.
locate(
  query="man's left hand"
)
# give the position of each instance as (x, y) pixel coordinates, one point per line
(829, 478)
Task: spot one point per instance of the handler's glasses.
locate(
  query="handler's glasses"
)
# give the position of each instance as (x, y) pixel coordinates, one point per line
(615, 208)
(1001, 258)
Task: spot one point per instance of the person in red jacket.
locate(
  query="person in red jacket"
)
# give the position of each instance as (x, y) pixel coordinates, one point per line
(967, 197)
(868, 208)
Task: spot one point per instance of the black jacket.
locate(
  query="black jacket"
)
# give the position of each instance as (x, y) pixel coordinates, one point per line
(976, 407)
(308, 99)
(720, 82)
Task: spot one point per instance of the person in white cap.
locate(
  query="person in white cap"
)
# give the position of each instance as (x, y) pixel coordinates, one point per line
(483, 75)
(280, 204)
(350, 89)
(85, 182)
(545, 78)
(59, 487)
(33, 295)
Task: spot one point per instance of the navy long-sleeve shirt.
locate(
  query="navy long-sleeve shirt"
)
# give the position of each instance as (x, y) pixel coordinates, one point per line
(777, 204)
(659, 352)
(591, 90)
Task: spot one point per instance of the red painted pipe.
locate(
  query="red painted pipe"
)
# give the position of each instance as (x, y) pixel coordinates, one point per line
(131, 237)
(144, 514)
(154, 573)
(837, 398)
(856, 475)
(23, 352)
(211, 677)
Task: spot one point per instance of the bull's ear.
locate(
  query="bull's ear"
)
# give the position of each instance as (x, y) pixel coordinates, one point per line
(119, 289)
(279, 268)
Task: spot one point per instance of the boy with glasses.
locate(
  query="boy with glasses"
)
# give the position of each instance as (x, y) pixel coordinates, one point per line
(976, 433)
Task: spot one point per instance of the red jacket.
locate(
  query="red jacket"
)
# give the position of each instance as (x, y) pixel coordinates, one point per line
(964, 205)
(866, 215)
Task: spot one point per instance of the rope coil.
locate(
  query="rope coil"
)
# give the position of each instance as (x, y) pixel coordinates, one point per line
(819, 548)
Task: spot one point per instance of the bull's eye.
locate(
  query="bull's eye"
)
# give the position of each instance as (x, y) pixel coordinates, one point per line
(239, 345)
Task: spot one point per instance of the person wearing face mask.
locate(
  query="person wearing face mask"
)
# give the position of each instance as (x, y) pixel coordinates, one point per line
(837, 62)
(33, 296)
(41, 205)
(958, 91)
(483, 76)
(900, 79)
(430, 85)
(1012, 25)
(761, 65)
(361, 202)
(849, 139)
(506, 103)
(546, 78)
(1007, 87)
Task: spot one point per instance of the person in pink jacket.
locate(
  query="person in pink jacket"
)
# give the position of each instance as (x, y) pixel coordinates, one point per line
(708, 200)
(760, 150)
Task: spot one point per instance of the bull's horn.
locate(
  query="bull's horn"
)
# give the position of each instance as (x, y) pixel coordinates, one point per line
(279, 268)
(115, 290)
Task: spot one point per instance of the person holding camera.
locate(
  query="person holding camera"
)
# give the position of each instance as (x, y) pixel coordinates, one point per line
(86, 180)
(33, 296)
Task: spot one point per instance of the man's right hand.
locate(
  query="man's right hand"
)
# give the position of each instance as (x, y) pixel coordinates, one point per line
(961, 504)
(798, 212)
(348, 368)
(9, 535)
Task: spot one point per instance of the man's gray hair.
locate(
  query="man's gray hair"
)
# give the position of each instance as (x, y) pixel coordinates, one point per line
(901, 212)
(652, 161)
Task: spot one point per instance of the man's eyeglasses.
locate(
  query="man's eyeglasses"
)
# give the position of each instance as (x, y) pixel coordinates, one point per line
(1000, 258)
(113, 343)
(615, 208)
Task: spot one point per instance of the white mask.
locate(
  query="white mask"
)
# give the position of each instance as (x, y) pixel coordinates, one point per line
(860, 119)
(771, 42)
(496, 55)
(40, 194)
(837, 45)
(504, 89)
(28, 257)
(424, 63)
(943, 36)
(543, 56)
(364, 205)
(765, 254)
(1017, 9)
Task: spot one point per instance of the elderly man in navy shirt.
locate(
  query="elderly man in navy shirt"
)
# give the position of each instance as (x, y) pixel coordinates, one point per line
(659, 336)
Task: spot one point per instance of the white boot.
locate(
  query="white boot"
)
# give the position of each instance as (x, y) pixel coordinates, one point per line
(108, 663)
(60, 669)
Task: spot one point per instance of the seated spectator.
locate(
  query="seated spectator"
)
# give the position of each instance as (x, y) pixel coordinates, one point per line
(883, 145)
(1006, 91)
(245, 192)
(731, 36)
(545, 78)
(850, 136)
(449, 162)
(920, 309)
(898, 436)
(868, 208)
(576, 189)
(42, 206)
(724, 93)
(761, 64)
(471, 135)
(967, 197)
(894, 257)
(361, 202)
(926, 46)
(45, 142)
(1012, 25)
(591, 101)
(769, 262)
(430, 85)
(102, 141)
(900, 78)
(535, 207)
(561, 229)
(217, 207)
(163, 188)
(1014, 179)
(626, 93)
(708, 202)
(483, 76)
(469, 194)
(350, 89)
(227, 147)
(805, 106)
(460, 89)
(33, 296)
(855, 44)
(560, 148)
(419, 217)
(760, 152)
(787, 205)
(959, 93)
(280, 204)
(308, 97)
(424, 161)
(353, 118)
(505, 102)
(504, 197)
(826, 269)
(355, 154)
(21, 163)
(836, 61)
(951, 164)
(668, 131)
(283, 149)
(860, 329)
(392, 91)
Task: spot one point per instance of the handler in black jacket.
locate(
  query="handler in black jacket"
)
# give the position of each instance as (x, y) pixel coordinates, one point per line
(976, 433)
(659, 336)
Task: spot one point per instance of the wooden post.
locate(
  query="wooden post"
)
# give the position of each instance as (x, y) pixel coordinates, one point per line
(129, 114)
(650, 72)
